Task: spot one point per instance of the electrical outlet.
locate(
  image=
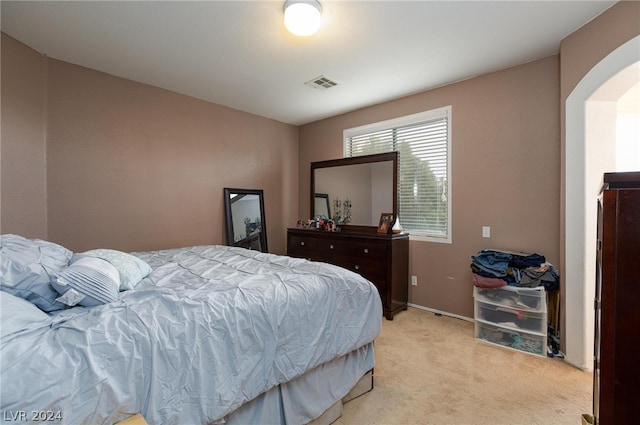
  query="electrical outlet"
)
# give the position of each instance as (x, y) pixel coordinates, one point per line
(414, 280)
(486, 231)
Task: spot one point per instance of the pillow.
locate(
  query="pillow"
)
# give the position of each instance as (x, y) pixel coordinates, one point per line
(131, 269)
(27, 267)
(89, 282)
(17, 314)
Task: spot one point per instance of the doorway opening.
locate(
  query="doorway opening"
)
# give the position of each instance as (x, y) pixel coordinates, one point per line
(593, 112)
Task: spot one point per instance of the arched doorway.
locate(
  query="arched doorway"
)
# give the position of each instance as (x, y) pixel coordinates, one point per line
(584, 164)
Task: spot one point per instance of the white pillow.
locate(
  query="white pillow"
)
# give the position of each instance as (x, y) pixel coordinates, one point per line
(89, 282)
(27, 267)
(131, 269)
(18, 314)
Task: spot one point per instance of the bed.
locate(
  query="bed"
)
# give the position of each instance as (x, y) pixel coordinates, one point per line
(195, 335)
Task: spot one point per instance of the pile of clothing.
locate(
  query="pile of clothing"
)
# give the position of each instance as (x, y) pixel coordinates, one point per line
(493, 268)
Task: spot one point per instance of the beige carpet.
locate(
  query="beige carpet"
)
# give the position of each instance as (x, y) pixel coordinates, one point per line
(431, 370)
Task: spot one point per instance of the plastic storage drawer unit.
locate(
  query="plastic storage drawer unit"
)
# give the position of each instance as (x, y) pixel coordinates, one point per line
(531, 299)
(531, 343)
(513, 318)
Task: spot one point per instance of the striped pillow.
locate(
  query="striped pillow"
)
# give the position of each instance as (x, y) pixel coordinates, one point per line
(88, 282)
(131, 269)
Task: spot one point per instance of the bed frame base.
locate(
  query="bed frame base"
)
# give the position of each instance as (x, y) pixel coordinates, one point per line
(333, 413)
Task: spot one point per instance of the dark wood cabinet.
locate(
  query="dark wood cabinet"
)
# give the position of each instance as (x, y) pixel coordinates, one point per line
(382, 259)
(616, 383)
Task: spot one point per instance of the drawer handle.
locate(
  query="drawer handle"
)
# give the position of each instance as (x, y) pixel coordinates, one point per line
(366, 250)
(330, 246)
(357, 267)
(302, 243)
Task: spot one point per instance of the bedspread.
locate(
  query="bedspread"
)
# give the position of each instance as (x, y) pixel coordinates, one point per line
(209, 329)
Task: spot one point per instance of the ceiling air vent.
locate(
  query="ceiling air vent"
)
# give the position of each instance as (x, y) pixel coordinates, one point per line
(321, 83)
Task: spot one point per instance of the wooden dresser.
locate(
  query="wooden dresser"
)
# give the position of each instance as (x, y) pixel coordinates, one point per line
(616, 388)
(382, 259)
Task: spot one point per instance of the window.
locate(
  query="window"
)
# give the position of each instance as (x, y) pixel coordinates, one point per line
(424, 176)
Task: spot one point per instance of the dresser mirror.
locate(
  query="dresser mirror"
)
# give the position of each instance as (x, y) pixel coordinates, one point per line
(245, 225)
(358, 189)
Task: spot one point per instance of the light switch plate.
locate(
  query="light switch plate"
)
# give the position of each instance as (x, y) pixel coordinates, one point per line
(486, 231)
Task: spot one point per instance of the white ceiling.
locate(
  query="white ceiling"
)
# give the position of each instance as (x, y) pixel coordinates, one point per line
(238, 54)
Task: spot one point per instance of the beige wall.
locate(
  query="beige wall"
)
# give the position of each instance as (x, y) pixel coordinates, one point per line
(505, 172)
(23, 208)
(584, 48)
(134, 167)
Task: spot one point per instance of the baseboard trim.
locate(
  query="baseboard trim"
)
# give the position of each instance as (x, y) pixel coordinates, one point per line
(444, 313)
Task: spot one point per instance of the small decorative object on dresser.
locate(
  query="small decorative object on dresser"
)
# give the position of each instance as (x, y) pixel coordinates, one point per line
(397, 228)
(385, 223)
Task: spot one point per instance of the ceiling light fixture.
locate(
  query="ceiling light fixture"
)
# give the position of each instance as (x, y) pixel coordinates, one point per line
(302, 17)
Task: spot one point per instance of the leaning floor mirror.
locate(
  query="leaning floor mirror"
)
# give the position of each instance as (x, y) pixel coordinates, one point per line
(246, 228)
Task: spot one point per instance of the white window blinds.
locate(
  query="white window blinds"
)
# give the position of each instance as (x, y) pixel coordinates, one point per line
(423, 144)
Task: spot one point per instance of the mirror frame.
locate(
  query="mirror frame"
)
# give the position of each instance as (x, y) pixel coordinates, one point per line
(229, 217)
(364, 159)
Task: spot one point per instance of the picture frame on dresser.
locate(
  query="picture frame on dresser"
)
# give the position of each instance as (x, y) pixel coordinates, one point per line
(384, 226)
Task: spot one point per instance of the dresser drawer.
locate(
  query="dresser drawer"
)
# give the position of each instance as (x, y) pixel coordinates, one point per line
(304, 247)
(330, 246)
(369, 268)
(368, 249)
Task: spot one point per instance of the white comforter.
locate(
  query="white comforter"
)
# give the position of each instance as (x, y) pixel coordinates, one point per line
(209, 329)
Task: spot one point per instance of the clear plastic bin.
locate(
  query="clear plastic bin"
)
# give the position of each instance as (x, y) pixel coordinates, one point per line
(530, 299)
(512, 318)
(530, 343)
